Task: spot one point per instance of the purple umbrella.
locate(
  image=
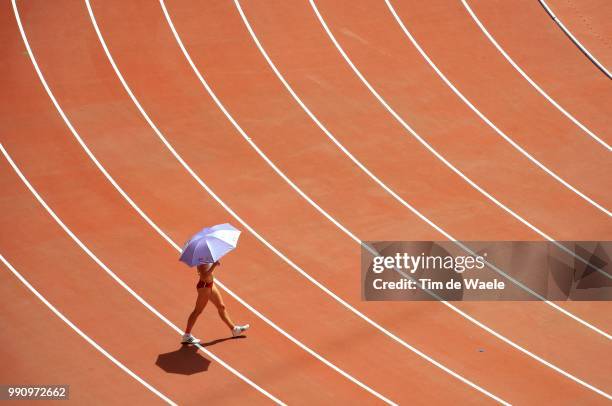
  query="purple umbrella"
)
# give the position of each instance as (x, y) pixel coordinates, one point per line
(210, 244)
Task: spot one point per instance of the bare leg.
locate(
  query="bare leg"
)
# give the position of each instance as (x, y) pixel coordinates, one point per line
(203, 296)
(215, 297)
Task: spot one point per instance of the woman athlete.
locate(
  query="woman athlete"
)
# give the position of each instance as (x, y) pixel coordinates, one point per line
(207, 290)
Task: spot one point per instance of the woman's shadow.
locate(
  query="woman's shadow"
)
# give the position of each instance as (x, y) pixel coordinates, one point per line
(187, 360)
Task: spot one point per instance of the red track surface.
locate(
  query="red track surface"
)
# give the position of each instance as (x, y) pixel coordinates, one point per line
(41, 349)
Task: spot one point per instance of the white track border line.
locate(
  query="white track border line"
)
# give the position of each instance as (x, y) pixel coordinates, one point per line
(121, 282)
(83, 335)
(359, 164)
(178, 248)
(514, 65)
(575, 40)
(432, 150)
(245, 136)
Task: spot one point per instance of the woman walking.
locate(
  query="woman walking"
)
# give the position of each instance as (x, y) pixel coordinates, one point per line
(207, 290)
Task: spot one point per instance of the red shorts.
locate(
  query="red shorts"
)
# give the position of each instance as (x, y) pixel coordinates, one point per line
(201, 285)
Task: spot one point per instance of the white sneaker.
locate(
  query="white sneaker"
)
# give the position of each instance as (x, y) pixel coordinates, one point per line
(239, 330)
(189, 339)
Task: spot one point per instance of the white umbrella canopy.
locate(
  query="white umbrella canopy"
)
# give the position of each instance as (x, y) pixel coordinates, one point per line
(210, 244)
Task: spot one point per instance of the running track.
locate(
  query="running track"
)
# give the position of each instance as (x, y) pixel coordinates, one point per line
(99, 252)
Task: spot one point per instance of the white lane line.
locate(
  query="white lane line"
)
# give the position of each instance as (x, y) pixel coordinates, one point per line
(406, 204)
(360, 165)
(575, 40)
(518, 69)
(179, 158)
(440, 157)
(80, 244)
(121, 282)
(178, 248)
(257, 235)
(466, 101)
(83, 335)
(244, 135)
(246, 225)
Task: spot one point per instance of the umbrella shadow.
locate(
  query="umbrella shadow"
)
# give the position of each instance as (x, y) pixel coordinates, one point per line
(185, 361)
